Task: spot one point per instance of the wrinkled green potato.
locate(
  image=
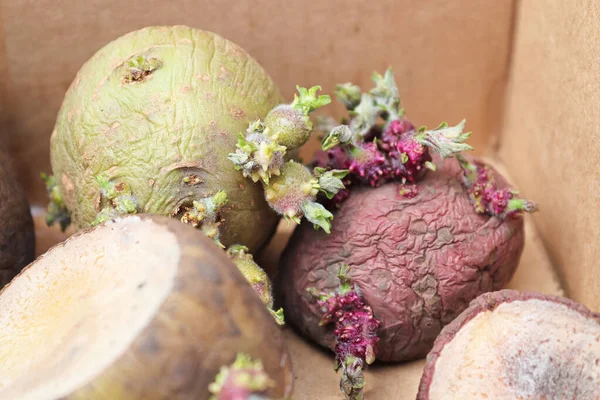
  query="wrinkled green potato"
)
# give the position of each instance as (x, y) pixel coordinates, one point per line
(147, 126)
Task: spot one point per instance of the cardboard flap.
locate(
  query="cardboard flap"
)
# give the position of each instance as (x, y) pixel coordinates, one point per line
(551, 141)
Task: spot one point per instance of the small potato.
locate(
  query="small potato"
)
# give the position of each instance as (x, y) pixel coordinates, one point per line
(417, 262)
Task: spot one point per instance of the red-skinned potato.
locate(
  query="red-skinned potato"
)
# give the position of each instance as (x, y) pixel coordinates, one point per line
(417, 262)
(17, 241)
(516, 345)
(142, 307)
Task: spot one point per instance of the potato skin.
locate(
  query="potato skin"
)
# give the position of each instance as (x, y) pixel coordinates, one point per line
(419, 262)
(17, 238)
(181, 120)
(486, 302)
(211, 315)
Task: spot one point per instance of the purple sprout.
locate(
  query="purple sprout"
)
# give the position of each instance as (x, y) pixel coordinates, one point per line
(378, 144)
(479, 181)
(355, 331)
(367, 164)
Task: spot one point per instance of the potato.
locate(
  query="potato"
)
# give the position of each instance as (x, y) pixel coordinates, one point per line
(417, 262)
(516, 345)
(17, 239)
(142, 307)
(157, 142)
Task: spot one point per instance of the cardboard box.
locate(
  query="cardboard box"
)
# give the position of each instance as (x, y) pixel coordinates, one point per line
(524, 74)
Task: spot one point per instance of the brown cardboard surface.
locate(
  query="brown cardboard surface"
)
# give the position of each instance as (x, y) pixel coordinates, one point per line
(313, 367)
(450, 58)
(551, 137)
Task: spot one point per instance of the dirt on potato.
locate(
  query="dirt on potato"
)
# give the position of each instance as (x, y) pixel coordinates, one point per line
(418, 262)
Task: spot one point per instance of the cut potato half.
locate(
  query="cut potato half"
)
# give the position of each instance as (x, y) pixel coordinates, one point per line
(515, 345)
(143, 307)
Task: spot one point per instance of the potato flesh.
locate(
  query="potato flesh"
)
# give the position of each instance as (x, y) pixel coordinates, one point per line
(74, 312)
(530, 349)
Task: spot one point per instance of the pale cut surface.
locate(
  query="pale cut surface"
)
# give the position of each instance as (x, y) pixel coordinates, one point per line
(97, 292)
(532, 349)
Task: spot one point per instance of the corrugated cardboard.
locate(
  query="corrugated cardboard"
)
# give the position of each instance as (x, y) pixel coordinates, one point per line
(552, 139)
(451, 60)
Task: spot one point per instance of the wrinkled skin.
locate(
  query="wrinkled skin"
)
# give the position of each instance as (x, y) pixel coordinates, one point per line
(532, 365)
(181, 120)
(17, 240)
(418, 262)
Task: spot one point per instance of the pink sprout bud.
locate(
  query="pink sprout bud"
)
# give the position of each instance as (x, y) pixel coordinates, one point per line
(368, 164)
(396, 129)
(486, 198)
(245, 379)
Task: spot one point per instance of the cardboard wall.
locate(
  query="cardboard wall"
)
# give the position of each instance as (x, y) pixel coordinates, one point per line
(552, 136)
(450, 58)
